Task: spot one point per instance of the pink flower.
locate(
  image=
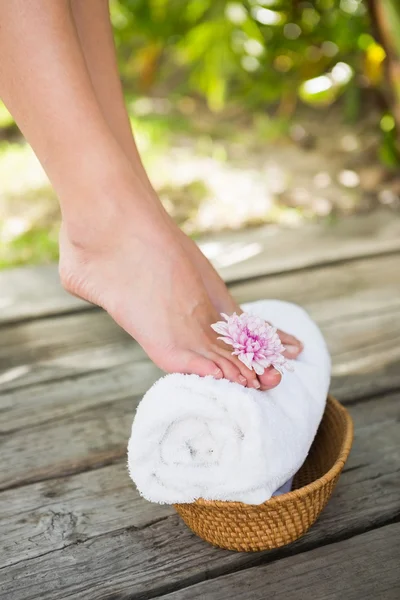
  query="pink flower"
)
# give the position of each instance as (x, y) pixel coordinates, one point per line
(254, 341)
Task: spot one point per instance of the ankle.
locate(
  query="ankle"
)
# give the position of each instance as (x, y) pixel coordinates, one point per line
(97, 220)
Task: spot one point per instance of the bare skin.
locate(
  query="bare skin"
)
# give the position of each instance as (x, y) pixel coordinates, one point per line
(118, 248)
(95, 34)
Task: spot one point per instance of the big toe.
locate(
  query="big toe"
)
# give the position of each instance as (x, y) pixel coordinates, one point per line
(269, 379)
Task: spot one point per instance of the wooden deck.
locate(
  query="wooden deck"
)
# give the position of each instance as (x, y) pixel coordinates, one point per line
(72, 525)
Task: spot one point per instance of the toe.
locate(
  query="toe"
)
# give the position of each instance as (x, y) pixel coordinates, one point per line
(269, 379)
(199, 365)
(229, 369)
(250, 377)
(293, 346)
(248, 374)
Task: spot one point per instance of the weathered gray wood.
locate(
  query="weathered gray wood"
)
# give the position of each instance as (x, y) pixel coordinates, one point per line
(54, 514)
(362, 348)
(332, 292)
(56, 348)
(272, 250)
(356, 386)
(77, 335)
(351, 302)
(359, 300)
(30, 292)
(81, 421)
(33, 292)
(57, 513)
(365, 567)
(145, 563)
(88, 534)
(78, 442)
(45, 403)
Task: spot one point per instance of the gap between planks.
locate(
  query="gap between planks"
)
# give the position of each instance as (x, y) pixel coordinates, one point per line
(101, 501)
(367, 497)
(52, 349)
(31, 292)
(356, 470)
(146, 563)
(343, 569)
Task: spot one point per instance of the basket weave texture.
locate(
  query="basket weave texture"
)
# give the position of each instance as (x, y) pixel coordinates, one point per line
(285, 518)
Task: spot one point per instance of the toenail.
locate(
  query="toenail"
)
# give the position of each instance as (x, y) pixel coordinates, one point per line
(276, 376)
(293, 350)
(256, 384)
(218, 373)
(242, 379)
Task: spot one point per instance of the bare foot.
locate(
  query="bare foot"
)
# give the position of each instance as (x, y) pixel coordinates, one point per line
(224, 302)
(135, 268)
(221, 298)
(217, 291)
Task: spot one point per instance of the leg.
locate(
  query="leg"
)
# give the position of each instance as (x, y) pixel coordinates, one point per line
(94, 30)
(95, 34)
(112, 237)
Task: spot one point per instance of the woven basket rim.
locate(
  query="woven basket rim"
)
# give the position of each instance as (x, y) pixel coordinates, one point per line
(310, 487)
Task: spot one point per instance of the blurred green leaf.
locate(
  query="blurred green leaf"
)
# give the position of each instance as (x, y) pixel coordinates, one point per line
(205, 47)
(6, 119)
(34, 246)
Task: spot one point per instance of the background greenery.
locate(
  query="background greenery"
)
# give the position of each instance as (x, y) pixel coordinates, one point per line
(204, 76)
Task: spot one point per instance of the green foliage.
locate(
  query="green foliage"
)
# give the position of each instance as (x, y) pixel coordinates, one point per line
(5, 118)
(256, 51)
(248, 54)
(34, 246)
(262, 53)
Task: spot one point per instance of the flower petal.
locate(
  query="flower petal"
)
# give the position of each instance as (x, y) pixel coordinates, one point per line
(227, 318)
(263, 362)
(258, 369)
(220, 327)
(254, 341)
(247, 359)
(227, 340)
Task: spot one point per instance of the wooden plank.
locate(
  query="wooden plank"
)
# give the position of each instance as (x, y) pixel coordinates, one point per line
(365, 567)
(271, 250)
(354, 387)
(40, 340)
(61, 512)
(45, 403)
(31, 292)
(51, 349)
(148, 562)
(96, 436)
(81, 441)
(31, 405)
(367, 292)
(346, 301)
(364, 344)
(365, 350)
(54, 514)
(330, 292)
(88, 452)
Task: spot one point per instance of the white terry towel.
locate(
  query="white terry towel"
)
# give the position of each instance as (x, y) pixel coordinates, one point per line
(195, 437)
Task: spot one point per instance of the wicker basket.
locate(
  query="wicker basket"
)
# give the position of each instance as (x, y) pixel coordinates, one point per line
(282, 519)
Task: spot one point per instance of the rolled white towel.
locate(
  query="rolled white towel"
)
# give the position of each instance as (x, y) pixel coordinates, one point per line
(195, 437)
